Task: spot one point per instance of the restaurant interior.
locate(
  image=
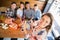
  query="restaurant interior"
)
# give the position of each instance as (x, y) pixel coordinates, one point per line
(21, 28)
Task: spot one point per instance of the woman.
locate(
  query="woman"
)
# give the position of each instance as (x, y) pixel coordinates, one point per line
(20, 10)
(41, 30)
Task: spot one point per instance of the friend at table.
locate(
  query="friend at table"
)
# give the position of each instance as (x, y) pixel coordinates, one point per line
(38, 13)
(20, 10)
(11, 11)
(28, 12)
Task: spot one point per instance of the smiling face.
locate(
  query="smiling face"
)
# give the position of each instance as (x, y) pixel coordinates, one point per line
(21, 6)
(35, 8)
(13, 6)
(28, 6)
(45, 21)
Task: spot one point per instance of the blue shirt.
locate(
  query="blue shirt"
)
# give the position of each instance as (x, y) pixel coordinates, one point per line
(37, 14)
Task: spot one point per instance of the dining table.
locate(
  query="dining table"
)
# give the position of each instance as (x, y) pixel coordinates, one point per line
(11, 32)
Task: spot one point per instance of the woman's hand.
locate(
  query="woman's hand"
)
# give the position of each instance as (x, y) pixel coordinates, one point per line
(32, 38)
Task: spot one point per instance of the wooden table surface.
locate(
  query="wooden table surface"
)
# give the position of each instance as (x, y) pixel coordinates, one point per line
(12, 33)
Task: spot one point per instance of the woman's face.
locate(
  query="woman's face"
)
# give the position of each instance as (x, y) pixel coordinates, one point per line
(45, 20)
(22, 6)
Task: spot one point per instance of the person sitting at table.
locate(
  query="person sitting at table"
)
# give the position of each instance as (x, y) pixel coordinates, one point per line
(11, 12)
(37, 14)
(20, 10)
(28, 12)
(41, 30)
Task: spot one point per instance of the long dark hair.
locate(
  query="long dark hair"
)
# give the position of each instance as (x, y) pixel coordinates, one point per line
(48, 27)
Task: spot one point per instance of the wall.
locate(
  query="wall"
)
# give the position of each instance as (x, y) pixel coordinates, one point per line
(6, 3)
